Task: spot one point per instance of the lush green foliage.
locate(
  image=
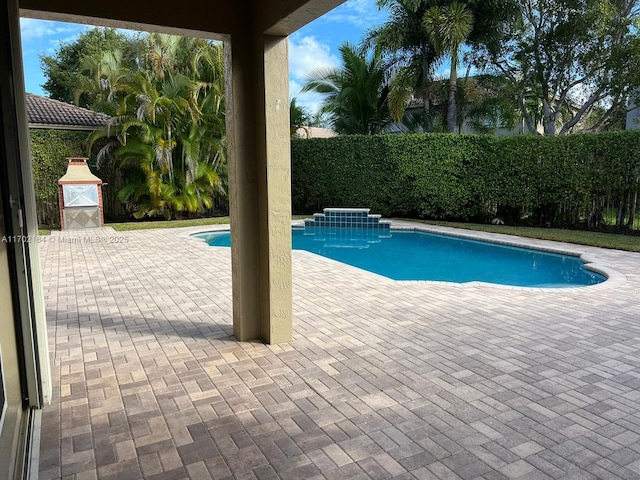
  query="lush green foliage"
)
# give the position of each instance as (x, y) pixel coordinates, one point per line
(415, 40)
(299, 116)
(165, 96)
(416, 174)
(355, 94)
(49, 150)
(168, 123)
(569, 60)
(538, 180)
(563, 180)
(410, 56)
(449, 28)
(566, 65)
(63, 69)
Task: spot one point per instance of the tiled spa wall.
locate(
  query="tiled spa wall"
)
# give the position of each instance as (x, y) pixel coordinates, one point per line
(347, 218)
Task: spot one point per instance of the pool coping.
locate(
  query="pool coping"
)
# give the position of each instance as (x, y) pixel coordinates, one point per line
(590, 259)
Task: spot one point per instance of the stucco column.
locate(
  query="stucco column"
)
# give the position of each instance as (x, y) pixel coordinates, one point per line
(258, 139)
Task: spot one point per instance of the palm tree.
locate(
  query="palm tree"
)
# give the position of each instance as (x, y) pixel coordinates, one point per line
(356, 93)
(299, 116)
(169, 126)
(448, 28)
(411, 56)
(100, 79)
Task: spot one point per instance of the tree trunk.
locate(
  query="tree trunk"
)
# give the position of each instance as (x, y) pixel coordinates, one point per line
(622, 208)
(525, 115)
(453, 87)
(632, 211)
(596, 96)
(549, 121)
(426, 119)
(426, 107)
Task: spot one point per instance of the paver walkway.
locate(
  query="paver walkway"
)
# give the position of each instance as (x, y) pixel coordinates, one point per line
(383, 379)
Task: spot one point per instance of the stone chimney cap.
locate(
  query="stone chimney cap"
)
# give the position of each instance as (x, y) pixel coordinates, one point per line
(78, 172)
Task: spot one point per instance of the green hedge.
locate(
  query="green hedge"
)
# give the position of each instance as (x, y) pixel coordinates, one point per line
(330, 173)
(49, 150)
(567, 180)
(545, 180)
(424, 175)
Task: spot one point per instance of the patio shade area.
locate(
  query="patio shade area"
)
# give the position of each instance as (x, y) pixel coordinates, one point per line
(383, 379)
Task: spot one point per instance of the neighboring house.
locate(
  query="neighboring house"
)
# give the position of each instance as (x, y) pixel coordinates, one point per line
(486, 93)
(633, 114)
(315, 132)
(46, 113)
(414, 110)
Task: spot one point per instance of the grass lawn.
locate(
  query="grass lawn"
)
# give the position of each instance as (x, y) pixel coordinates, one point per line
(121, 227)
(595, 239)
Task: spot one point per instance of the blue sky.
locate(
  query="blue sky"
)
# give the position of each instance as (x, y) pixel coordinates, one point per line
(315, 45)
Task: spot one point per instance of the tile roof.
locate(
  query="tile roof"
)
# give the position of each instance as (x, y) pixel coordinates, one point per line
(43, 111)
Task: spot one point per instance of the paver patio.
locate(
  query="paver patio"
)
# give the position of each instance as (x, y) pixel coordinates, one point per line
(384, 379)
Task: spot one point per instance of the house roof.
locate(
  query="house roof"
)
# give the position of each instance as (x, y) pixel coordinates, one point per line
(48, 113)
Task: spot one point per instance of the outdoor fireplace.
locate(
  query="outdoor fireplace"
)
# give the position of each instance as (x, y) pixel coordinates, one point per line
(80, 196)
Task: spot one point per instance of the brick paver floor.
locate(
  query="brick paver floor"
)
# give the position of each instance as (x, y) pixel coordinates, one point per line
(384, 379)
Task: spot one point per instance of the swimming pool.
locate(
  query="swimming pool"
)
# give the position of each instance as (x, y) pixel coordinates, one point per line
(416, 255)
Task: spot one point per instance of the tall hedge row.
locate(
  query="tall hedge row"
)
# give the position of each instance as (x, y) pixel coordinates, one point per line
(424, 175)
(49, 150)
(543, 180)
(570, 179)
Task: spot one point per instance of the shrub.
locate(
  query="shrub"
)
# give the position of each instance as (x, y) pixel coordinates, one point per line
(546, 180)
(49, 151)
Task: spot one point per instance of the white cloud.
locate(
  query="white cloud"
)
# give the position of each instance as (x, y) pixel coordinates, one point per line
(360, 13)
(31, 28)
(361, 6)
(316, 49)
(307, 54)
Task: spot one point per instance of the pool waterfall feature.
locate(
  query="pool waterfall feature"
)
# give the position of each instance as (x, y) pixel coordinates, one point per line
(337, 227)
(347, 218)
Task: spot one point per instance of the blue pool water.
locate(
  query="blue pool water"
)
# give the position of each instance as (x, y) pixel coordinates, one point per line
(412, 255)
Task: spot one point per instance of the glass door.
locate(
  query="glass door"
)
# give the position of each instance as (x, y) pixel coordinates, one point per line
(12, 408)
